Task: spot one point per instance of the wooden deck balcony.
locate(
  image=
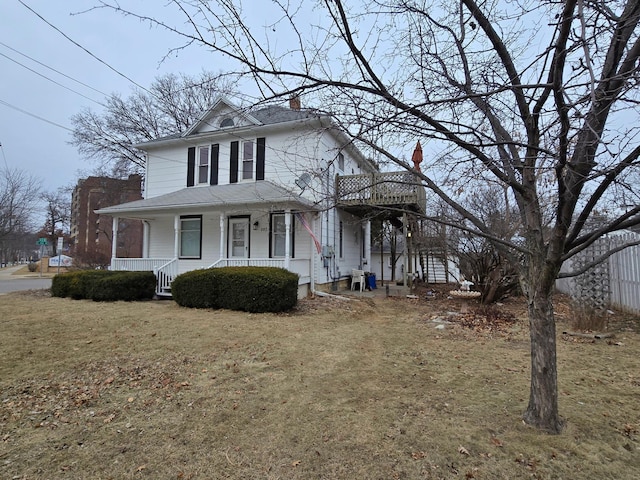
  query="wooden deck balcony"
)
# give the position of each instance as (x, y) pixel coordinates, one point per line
(400, 191)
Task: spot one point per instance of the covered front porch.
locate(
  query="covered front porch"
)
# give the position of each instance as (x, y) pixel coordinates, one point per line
(217, 233)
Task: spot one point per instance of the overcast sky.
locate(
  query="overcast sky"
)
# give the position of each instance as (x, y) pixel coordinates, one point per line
(35, 111)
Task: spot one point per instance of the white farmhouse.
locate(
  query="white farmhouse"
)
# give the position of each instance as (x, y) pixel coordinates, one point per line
(256, 188)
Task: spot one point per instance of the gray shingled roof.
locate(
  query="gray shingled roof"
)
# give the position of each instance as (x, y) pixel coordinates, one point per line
(267, 116)
(278, 114)
(232, 195)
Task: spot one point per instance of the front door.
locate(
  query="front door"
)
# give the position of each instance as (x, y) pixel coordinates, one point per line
(239, 237)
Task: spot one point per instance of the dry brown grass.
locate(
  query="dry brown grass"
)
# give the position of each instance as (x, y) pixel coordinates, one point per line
(360, 389)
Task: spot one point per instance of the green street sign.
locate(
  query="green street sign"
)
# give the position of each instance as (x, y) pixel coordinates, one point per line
(42, 241)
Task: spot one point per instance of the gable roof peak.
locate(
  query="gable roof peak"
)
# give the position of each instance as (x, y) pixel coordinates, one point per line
(214, 117)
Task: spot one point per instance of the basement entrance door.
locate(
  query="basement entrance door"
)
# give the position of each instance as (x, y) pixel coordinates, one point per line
(239, 232)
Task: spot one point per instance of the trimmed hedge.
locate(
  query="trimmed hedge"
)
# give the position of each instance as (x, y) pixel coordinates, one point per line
(104, 285)
(250, 289)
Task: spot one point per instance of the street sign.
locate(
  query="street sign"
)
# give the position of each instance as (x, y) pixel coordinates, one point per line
(60, 244)
(42, 241)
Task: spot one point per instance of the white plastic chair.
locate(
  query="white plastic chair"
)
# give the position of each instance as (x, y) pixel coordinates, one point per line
(357, 276)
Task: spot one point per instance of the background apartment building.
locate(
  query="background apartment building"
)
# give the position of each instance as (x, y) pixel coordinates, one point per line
(92, 234)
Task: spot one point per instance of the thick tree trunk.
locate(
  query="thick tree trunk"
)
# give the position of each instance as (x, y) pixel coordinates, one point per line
(542, 411)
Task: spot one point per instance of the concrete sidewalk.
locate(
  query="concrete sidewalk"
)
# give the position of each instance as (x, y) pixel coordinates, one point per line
(18, 278)
(21, 271)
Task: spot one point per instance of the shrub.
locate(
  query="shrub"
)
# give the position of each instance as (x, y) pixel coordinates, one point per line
(32, 267)
(250, 289)
(74, 284)
(196, 289)
(104, 285)
(127, 286)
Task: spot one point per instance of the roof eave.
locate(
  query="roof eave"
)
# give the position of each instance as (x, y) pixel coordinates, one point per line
(221, 133)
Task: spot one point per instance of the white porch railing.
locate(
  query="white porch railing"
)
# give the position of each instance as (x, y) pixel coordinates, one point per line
(138, 264)
(301, 266)
(165, 269)
(165, 275)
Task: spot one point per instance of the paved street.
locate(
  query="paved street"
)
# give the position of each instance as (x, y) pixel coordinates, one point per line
(14, 283)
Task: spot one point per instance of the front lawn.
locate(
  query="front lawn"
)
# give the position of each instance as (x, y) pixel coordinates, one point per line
(360, 389)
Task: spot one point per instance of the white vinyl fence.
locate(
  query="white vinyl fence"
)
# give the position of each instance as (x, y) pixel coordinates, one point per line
(618, 278)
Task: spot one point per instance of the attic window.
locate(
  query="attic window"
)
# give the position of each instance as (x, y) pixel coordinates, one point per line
(226, 122)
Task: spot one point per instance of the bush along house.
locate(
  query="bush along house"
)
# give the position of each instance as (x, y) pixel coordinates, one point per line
(275, 187)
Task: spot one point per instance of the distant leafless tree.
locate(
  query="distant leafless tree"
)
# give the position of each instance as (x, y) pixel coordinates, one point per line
(170, 105)
(538, 96)
(58, 213)
(19, 197)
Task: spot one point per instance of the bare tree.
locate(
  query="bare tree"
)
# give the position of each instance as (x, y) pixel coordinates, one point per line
(538, 96)
(482, 259)
(58, 210)
(19, 195)
(171, 104)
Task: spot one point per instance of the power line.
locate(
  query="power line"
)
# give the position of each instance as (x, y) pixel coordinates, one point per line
(5, 157)
(51, 80)
(34, 115)
(83, 48)
(53, 69)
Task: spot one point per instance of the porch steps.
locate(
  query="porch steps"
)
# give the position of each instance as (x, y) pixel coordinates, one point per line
(164, 294)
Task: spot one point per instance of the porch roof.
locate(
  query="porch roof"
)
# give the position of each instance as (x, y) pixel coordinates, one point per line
(233, 195)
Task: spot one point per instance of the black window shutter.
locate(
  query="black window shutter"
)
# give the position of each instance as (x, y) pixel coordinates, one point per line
(233, 165)
(191, 166)
(260, 158)
(215, 151)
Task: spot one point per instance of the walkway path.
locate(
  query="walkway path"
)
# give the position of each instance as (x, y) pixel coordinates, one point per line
(10, 281)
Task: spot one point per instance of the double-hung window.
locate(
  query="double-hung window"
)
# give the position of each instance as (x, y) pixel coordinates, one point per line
(203, 164)
(279, 235)
(247, 160)
(190, 236)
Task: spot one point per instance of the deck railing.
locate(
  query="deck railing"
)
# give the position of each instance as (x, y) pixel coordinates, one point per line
(388, 188)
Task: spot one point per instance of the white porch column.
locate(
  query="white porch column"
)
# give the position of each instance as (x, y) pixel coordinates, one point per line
(222, 218)
(287, 238)
(114, 237)
(367, 244)
(145, 239)
(176, 236)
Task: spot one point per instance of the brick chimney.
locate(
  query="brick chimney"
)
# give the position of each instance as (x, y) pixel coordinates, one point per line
(294, 103)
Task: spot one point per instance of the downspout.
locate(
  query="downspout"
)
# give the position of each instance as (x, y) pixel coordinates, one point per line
(312, 283)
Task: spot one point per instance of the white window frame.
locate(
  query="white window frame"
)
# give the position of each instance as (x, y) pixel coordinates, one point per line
(195, 234)
(248, 159)
(280, 236)
(204, 160)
